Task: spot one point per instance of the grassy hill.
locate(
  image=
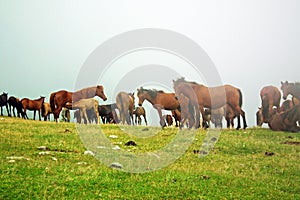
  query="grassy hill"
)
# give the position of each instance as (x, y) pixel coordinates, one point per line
(251, 164)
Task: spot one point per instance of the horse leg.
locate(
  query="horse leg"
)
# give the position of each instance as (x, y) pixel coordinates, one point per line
(39, 111)
(204, 119)
(162, 121)
(1, 111)
(145, 119)
(239, 113)
(8, 113)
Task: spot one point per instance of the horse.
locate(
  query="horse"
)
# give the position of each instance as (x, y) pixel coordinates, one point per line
(108, 113)
(270, 97)
(65, 114)
(216, 116)
(14, 103)
(35, 105)
(201, 96)
(46, 111)
(59, 99)
(159, 100)
(186, 112)
(125, 104)
(86, 104)
(168, 119)
(285, 121)
(3, 102)
(177, 116)
(290, 88)
(140, 111)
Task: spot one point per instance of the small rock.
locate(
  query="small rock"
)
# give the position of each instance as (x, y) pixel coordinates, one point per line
(43, 148)
(116, 165)
(42, 153)
(54, 159)
(116, 148)
(88, 152)
(81, 163)
(205, 177)
(17, 158)
(101, 147)
(11, 161)
(113, 136)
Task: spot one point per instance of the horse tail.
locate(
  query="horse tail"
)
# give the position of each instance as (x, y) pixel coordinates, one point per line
(265, 106)
(52, 104)
(241, 98)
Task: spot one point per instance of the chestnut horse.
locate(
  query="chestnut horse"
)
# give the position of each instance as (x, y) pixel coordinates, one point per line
(201, 96)
(125, 104)
(186, 112)
(59, 99)
(160, 100)
(46, 111)
(290, 88)
(35, 105)
(285, 121)
(270, 97)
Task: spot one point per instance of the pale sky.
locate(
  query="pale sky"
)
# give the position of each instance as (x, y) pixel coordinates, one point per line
(252, 43)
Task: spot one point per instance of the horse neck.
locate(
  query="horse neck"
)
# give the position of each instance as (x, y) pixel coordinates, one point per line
(295, 91)
(150, 99)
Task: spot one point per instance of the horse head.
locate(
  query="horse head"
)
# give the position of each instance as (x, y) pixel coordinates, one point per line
(141, 95)
(100, 92)
(285, 87)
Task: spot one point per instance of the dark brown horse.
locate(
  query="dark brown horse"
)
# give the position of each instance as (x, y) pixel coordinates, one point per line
(290, 88)
(177, 116)
(285, 121)
(59, 99)
(270, 96)
(125, 104)
(211, 97)
(186, 112)
(14, 103)
(35, 105)
(168, 119)
(138, 112)
(3, 102)
(159, 99)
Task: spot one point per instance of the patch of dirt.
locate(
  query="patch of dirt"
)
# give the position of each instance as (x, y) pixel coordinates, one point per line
(291, 143)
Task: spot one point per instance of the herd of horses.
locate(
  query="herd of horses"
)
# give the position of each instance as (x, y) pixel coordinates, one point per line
(190, 104)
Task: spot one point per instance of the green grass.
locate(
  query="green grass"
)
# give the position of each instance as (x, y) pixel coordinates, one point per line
(236, 168)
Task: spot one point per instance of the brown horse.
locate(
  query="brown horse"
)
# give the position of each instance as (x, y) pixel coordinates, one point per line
(290, 88)
(270, 97)
(35, 105)
(186, 112)
(14, 103)
(177, 116)
(140, 111)
(216, 116)
(59, 99)
(46, 111)
(159, 99)
(168, 119)
(211, 97)
(285, 121)
(86, 104)
(125, 104)
(3, 102)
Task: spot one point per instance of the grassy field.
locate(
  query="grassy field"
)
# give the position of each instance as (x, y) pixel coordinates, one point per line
(236, 168)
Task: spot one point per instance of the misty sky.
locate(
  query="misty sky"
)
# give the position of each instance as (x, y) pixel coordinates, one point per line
(252, 43)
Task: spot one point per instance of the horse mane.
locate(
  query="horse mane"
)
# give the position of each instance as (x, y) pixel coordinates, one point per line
(152, 92)
(182, 80)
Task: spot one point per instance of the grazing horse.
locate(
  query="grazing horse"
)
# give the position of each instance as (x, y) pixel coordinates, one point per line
(86, 104)
(140, 111)
(125, 104)
(201, 96)
(15, 103)
(290, 88)
(59, 99)
(285, 121)
(177, 116)
(108, 113)
(3, 102)
(35, 105)
(46, 111)
(159, 100)
(270, 97)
